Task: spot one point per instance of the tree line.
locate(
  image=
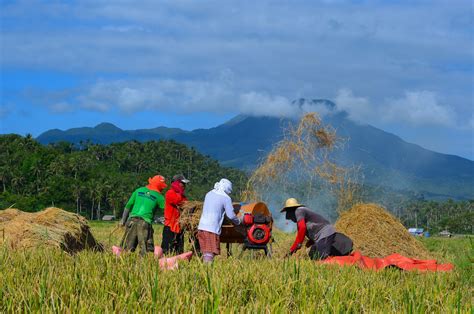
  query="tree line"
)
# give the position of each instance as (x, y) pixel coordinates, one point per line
(435, 216)
(93, 179)
(414, 210)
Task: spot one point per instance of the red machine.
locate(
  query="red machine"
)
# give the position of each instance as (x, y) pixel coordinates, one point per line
(256, 230)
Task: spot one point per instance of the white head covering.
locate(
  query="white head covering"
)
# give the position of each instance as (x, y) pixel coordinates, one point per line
(224, 187)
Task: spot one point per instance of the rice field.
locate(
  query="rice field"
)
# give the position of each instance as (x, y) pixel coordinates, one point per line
(52, 281)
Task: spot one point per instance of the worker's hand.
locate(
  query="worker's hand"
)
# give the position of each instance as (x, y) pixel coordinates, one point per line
(241, 229)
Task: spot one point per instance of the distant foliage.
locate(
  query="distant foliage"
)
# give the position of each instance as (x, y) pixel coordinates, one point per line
(94, 179)
(456, 217)
(414, 210)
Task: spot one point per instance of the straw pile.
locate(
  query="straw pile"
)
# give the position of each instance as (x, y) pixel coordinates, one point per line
(9, 214)
(297, 149)
(376, 233)
(303, 156)
(52, 227)
(190, 215)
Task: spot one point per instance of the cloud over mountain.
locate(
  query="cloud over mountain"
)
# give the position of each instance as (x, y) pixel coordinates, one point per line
(398, 64)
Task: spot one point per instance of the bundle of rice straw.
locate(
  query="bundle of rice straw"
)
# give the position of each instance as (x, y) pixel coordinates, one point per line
(52, 227)
(9, 214)
(190, 215)
(376, 233)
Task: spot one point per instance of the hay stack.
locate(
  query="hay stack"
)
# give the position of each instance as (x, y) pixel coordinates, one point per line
(8, 214)
(376, 233)
(190, 215)
(52, 227)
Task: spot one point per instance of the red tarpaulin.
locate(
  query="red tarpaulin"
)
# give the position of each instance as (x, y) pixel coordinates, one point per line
(396, 260)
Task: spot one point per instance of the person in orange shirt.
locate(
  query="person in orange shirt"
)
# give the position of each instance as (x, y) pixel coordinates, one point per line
(173, 236)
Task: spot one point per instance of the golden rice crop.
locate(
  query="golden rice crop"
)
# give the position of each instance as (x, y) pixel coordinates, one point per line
(51, 281)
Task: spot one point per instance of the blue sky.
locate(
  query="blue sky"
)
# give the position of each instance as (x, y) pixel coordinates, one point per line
(403, 66)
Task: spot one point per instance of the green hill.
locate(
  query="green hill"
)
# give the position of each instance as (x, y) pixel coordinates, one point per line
(98, 178)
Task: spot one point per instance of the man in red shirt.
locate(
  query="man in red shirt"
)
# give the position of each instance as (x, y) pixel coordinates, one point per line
(173, 236)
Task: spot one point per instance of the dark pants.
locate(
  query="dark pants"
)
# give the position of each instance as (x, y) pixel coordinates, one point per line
(138, 232)
(337, 244)
(172, 242)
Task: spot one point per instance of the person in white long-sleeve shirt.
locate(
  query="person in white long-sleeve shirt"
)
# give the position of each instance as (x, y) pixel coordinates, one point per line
(216, 203)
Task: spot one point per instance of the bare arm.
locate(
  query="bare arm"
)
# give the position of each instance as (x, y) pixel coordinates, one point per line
(126, 212)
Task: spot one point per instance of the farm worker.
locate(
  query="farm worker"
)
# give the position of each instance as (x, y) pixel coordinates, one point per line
(216, 203)
(139, 212)
(173, 236)
(323, 238)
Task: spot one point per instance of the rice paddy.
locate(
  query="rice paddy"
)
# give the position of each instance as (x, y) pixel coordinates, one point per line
(50, 280)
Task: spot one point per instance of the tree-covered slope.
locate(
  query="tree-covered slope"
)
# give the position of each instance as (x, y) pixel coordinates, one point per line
(98, 178)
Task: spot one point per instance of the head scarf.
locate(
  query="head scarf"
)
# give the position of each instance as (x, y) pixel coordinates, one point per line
(178, 187)
(157, 183)
(223, 187)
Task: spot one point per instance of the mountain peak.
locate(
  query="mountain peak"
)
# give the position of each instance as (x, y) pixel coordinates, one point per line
(107, 127)
(235, 120)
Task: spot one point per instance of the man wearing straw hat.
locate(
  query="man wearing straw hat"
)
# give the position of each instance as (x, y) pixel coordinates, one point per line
(323, 238)
(142, 207)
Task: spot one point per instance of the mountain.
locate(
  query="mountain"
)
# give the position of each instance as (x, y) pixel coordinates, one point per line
(106, 133)
(384, 158)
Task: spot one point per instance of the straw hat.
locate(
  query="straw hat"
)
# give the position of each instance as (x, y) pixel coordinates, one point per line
(291, 202)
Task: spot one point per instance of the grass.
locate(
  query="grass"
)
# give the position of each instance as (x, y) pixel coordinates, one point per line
(52, 281)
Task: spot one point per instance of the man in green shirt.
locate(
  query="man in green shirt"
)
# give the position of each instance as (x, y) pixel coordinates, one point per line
(143, 205)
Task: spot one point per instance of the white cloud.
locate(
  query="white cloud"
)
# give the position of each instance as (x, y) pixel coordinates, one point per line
(265, 51)
(181, 96)
(160, 94)
(261, 104)
(376, 49)
(358, 108)
(188, 96)
(415, 108)
(419, 108)
(224, 95)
